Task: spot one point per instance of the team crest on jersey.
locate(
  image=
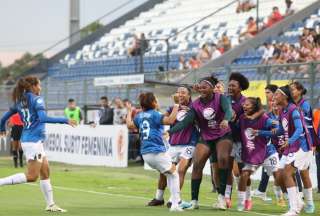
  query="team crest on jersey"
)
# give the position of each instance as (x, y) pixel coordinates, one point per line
(285, 124)
(209, 113)
(181, 115)
(250, 138)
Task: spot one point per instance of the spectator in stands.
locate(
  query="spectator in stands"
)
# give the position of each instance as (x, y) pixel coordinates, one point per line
(119, 112)
(194, 62)
(204, 54)
(215, 53)
(293, 54)
(305, 51)
(225, 43)
(306, 36)
(183, 64)
(274, 17)
(72, 111)
(140, 45)
(267, 53)
(251, 30)
(245, 5)
(105, 113)
(289, 9)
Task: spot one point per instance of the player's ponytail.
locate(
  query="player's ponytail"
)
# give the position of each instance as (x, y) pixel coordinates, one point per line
(23, 85)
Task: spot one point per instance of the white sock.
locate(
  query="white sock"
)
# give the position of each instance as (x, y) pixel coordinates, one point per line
(19, 178)
(248, 193)
(174, 187)
(159, 194)
(277, 191)
(228, 191)
(293, 199)
(308, 195)
(236, 178)
(46, 189)
(241, 197)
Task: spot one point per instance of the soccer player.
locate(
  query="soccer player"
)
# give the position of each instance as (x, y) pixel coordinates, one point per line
(261, 190)
(182, 145)
(291, 126)
(150, 124)
(253, 148)
(297, 91)
(30, 106)
(16, 131)
(237, 84)
(212, 112)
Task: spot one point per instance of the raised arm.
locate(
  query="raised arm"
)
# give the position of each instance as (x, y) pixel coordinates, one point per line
(189, 119)
(129, 121)
(169, 120)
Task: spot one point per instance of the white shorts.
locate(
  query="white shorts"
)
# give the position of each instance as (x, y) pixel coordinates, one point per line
(33, 151)
(178, 152)
(250, 167)
(271, 164)
(236, 152)
(300, 159)
(159, 161)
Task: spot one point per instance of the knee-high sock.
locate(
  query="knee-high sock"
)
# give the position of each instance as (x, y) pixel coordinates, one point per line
(15, 157)
(46, 189)
(174, 187)
(18, 178)
(264, 182)
(195, 186)
(21, 157)
(223, 174)
(293, 199)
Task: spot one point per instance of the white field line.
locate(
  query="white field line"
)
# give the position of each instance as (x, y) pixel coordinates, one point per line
(130, 196)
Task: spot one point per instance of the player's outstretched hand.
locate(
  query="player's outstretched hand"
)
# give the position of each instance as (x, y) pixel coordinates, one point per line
(175, 98)
(224, 124)
(72, 122)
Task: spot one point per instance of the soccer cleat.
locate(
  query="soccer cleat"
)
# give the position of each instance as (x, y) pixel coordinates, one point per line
(220, 204)
(169, 204)
(194, 204)
(290, 213)
(55, 208)
(309, 208)
(248, 205)
(240, 207)
(176, 209)
(300, 205)
(281, 203)
(228, 203)
(155, 202)
(261, 195)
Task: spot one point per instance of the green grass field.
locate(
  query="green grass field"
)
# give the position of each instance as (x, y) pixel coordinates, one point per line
(108, 191)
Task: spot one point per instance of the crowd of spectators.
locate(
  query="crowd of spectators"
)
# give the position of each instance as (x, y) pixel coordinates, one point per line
(307, 50)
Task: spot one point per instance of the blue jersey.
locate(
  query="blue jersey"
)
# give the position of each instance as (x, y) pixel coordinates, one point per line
(32, 113)
(271, 149)
(151, 129)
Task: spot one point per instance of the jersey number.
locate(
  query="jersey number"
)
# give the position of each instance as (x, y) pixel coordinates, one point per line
(26, 117)
(145, 130)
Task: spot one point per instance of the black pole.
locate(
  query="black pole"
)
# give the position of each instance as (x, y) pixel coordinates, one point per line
(168, 54)
(257, 18)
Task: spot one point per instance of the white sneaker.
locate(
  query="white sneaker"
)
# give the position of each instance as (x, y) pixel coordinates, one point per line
(300, 205)
(290, 213)
(176, 209)
(194, 204)
(256, 193)
(55, 208)
(221, 203)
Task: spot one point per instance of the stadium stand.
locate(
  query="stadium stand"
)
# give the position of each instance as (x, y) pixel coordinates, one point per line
(108, 55)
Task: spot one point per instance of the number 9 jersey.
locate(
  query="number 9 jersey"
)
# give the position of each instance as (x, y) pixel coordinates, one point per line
(151, 130)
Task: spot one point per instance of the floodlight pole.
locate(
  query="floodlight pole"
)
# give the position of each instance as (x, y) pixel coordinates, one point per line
(257, 18)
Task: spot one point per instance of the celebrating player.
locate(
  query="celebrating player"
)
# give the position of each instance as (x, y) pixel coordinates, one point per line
(30, 106)
(150, 124)
(297, 91)
(212, 112)
(182, 145)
